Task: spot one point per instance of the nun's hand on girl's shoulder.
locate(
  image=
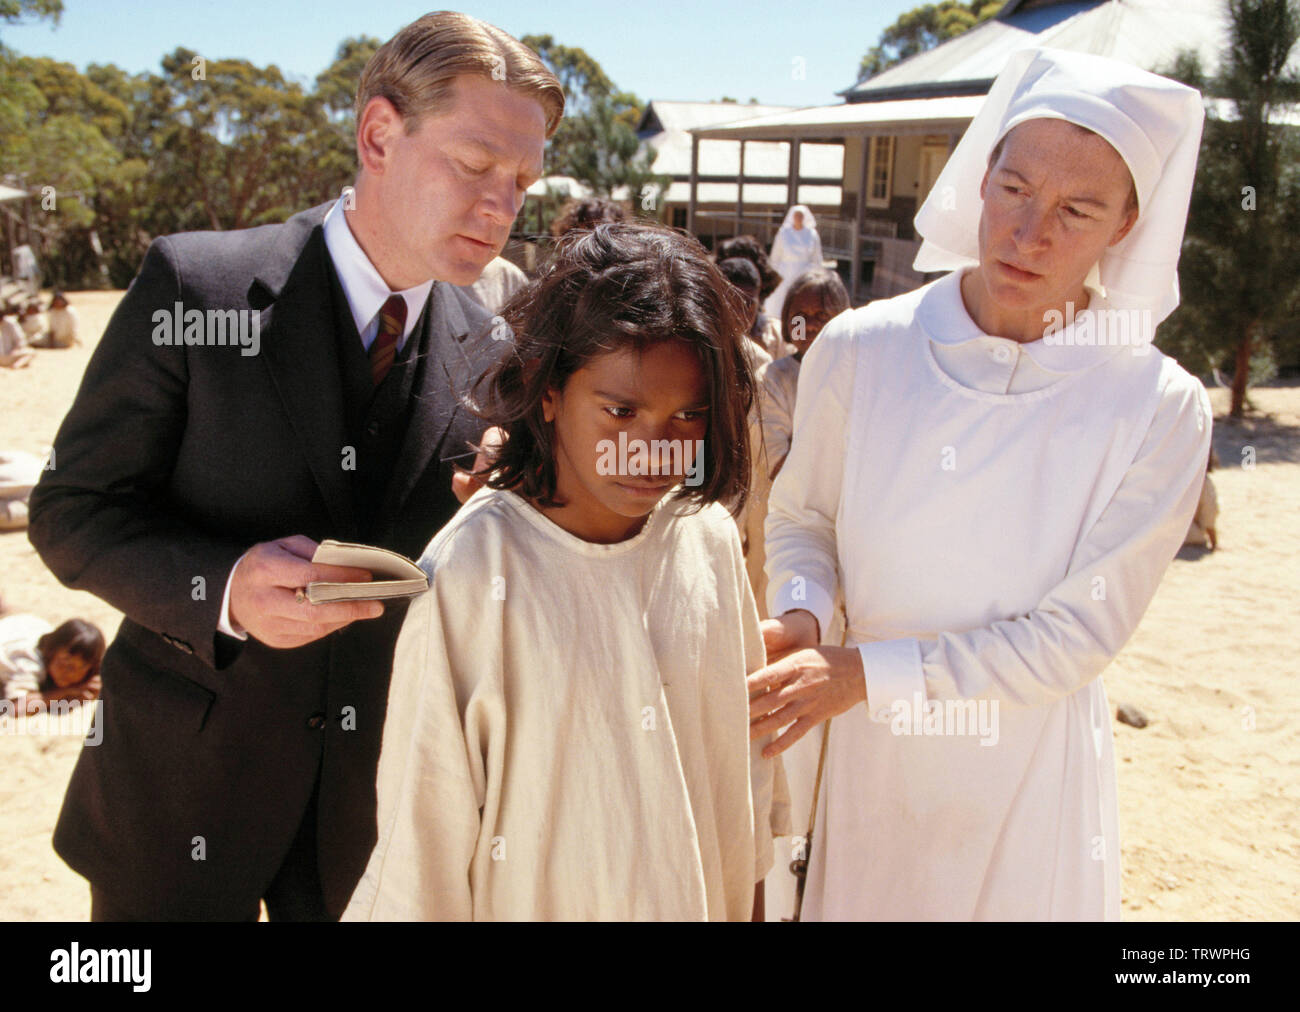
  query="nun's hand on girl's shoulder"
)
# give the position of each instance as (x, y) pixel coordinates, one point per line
(803, 689)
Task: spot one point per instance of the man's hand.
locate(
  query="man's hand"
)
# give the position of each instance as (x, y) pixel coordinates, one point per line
(802, 689)
(463, 483)
(263, 594)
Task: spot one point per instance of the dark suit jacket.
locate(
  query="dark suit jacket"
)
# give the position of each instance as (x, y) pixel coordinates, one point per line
(170, 464)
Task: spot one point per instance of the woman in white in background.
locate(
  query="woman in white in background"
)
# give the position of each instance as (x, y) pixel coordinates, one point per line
(998, 507)
(797, 248)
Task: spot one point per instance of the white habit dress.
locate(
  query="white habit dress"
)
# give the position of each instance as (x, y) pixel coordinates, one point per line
(794, 252)
(999, 516)
(568, 727)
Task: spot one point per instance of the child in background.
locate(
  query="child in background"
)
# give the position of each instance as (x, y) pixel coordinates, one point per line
(14, 353)
(566, 730)
(766, 329)
(32, 320)
(39, 664)
(63, 323)
(813, 300)
(743, 276)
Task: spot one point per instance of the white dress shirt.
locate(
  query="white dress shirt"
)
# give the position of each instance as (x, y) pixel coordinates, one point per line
(366, 294)
(998, 517)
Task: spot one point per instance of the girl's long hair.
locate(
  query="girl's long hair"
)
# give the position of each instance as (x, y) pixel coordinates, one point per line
(626, 285)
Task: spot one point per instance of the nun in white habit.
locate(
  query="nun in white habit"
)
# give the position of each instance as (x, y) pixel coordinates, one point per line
(996, 470)
(796, 249)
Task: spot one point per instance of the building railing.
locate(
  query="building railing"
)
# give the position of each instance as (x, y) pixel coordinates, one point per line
(836, 232)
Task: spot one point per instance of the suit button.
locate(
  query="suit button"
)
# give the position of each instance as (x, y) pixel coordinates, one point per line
(372, 429)
(316, 721)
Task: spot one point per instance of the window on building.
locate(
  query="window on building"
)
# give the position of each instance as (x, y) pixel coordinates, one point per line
(679, 217)
(880, 170)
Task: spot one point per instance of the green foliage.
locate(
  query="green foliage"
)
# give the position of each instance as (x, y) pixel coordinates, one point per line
(17, 10)
(596, 142)
(209, 143)
(1240, 266)
(203, 144)
(924, 28)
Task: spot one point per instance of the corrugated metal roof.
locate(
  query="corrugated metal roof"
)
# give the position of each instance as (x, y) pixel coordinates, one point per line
(688, 115)
(1147, 33)
(835, 120)
(923, 114)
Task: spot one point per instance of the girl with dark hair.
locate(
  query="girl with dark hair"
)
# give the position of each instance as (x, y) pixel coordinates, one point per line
(566, 725)
(743, 276)
(766, 330)
(39, 664)
(748, 247)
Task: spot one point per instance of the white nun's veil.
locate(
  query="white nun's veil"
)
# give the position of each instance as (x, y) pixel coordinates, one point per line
(1155, 125)
(809, 222)
(794, 250)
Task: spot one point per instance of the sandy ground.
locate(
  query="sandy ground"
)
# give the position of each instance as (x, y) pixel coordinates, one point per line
(1209, 790)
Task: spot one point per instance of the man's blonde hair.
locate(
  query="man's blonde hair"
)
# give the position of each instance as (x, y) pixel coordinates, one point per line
(414, 69)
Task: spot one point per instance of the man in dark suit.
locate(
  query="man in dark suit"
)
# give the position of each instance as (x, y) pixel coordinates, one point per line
(196, 472)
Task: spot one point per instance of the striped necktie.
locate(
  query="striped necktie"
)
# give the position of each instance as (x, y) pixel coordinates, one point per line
(392, 321)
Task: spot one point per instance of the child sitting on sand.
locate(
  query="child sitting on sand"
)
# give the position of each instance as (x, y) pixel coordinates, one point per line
(14, 353)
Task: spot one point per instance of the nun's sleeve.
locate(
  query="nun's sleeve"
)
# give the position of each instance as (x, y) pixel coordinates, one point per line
(1083, 622)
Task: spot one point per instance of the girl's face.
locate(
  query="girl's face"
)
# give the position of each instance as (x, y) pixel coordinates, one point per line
(67, 668)
(806, 306)
(626, 428)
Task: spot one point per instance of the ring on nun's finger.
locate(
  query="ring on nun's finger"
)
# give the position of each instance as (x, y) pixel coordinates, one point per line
(299, 595)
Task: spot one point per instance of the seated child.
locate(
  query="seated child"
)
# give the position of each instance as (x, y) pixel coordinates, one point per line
(32, 320)
(63, 323)
(567, 729)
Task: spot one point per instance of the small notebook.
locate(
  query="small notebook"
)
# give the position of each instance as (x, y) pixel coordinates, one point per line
(394, 575)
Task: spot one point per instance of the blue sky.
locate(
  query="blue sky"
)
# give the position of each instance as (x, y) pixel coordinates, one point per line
(669, 49)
